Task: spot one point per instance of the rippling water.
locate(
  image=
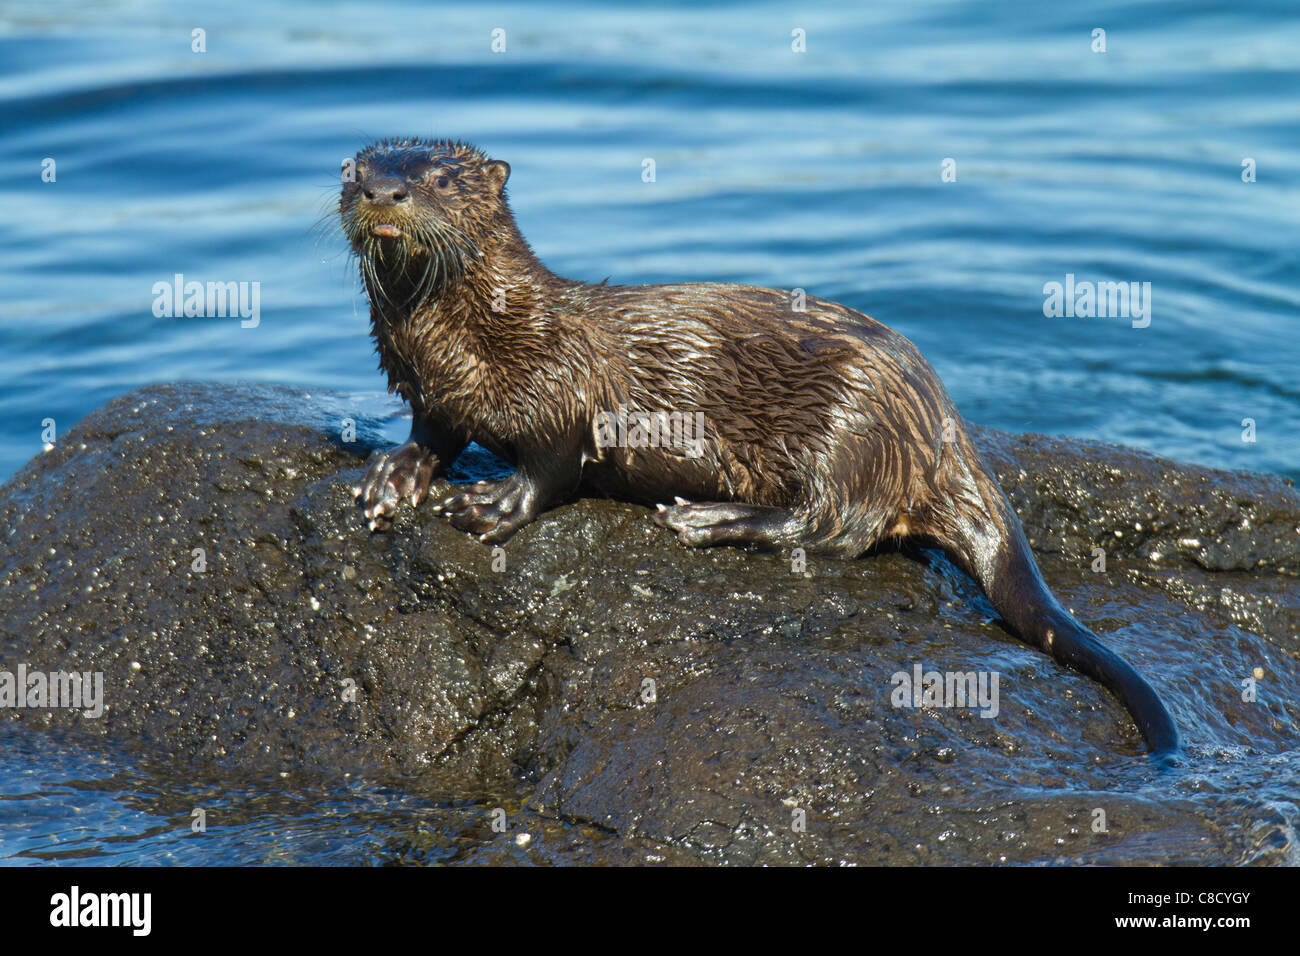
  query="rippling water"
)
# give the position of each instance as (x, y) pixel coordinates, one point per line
(820, 170)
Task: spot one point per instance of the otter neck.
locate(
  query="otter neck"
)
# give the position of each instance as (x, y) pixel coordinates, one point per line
(500, 287)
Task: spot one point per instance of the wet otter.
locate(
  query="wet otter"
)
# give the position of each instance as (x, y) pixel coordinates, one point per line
(823, 429)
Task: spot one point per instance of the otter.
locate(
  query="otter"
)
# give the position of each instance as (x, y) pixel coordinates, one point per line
(822, 428)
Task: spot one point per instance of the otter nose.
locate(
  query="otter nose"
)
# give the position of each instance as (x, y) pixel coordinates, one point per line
(386, 191)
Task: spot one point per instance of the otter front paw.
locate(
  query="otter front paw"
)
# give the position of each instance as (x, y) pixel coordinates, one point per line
(493, 510)
(401, 472)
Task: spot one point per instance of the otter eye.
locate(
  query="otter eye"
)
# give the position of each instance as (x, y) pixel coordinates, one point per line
(442, 182)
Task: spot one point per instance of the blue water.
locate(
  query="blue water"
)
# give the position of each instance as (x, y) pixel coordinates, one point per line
(819, 170)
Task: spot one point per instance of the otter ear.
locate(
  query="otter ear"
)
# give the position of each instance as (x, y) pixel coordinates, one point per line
(497, 173)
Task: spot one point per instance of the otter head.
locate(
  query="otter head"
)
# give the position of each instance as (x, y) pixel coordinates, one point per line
(417, 212)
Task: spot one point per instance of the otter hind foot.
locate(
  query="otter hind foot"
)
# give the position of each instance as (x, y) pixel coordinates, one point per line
(401, 472)
(702, 525)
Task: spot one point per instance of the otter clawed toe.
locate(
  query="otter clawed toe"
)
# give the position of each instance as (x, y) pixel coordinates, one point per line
(691, 522)
(493, 511)
(701, 525)
(404, 472)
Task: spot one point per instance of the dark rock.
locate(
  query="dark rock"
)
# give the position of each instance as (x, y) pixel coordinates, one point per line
(649, 701)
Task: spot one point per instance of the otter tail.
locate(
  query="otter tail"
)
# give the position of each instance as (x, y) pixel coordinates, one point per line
(991, 546)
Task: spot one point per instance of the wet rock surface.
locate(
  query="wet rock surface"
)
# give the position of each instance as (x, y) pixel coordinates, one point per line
(628, 699)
